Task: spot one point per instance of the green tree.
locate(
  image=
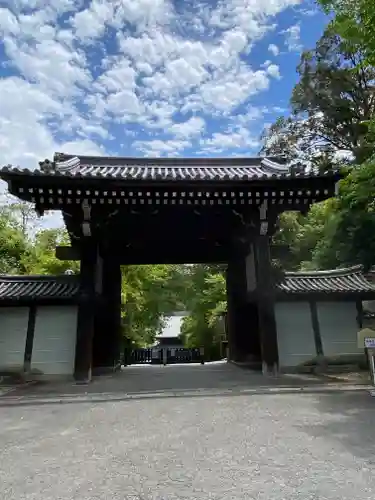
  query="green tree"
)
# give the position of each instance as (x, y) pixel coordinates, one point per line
(206, 302)
(330, 106)
(351, 236)
(354, 20)
(42, 259)
(14, 246)
(300, 236)
(149, 294)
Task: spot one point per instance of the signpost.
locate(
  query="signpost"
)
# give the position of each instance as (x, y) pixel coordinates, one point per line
(370, 348)
(366, 341)
(370, 343)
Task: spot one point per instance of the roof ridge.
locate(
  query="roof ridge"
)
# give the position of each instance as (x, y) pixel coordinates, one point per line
(38, 277)
(273, 162)
(138, 169)
(344, 271)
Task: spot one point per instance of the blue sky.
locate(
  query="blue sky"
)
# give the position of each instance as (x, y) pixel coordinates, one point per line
(146, 77)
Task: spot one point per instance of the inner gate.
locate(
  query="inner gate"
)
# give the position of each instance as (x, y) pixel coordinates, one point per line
(121, 211)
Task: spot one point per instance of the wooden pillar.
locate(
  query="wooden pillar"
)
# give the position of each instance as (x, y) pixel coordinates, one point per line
(236, 298)
(107, 336)
(266, 304)
(86, 310)
(231, 313)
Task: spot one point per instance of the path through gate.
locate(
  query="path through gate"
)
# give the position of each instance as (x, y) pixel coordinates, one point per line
(163, 356)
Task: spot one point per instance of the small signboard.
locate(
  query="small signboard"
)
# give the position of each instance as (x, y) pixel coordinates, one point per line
(364, 333)
(370, 343)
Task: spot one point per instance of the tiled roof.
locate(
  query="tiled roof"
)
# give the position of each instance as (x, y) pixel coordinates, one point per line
(65, 287)
(338, 281)
(175, 169)
(29, 288)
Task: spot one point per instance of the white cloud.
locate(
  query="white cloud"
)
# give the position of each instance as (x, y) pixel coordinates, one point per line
(92, 22)
(56, 69)
(93, 76)
(292, 38)
(194, 126)
(237, 139)
(274, 49)
(274, 71)
(158, 147)
(25, 137)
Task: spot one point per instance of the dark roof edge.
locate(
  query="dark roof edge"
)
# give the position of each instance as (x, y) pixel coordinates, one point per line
(10, 278)
(166, 161)
(345, 271)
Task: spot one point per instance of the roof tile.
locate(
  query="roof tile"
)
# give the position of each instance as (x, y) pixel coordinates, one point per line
(175, 169)
(24, 288)
(342, 281)
(64, 287)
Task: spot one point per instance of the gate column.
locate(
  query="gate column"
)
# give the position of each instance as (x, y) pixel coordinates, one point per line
(232, 322)
(236, 303)
(107, 337)
(266, 302)
(242, 316)
(86, 310)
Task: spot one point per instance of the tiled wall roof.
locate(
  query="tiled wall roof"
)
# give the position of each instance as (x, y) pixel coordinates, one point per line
(28, 288)
(344, 281)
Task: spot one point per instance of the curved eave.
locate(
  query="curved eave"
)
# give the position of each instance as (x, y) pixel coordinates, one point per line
(321, 296)
(19, 290)
(343, 284)
(140, 175)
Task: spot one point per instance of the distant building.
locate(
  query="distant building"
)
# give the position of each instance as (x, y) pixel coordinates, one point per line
(169, 337)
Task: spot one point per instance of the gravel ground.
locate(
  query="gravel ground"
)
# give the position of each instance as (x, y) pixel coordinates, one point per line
(242, 446)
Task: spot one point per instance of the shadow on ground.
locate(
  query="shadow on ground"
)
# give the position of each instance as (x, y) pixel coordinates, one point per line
(184, 381)
(349, 419)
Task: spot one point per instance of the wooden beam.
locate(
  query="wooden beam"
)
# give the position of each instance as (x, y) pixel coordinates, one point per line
(158, 255)
(68, 253)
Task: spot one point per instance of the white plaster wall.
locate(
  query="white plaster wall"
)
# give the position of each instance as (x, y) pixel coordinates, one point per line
(13, 333)
(338, 328)
(295, 335)
(54, 340)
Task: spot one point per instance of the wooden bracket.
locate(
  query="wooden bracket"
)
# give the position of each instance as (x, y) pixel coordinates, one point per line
(86, 224)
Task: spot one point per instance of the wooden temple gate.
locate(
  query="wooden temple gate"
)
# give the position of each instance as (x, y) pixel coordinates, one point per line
(122, 211)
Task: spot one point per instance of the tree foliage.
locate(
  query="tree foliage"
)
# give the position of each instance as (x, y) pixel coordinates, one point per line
(331, 112)
(206, 302)
(330, 106)
(149, 294)
(353, 237)
(14, 246)
(354, 20)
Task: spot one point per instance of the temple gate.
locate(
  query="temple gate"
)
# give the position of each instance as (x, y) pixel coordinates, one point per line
(122, 211)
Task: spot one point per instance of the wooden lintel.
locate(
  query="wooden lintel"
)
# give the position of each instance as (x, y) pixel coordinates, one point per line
(68, 253)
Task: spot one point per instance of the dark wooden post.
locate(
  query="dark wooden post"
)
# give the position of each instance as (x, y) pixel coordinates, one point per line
(236, 297)
(86, 310)
(266, 305)
(107, 337)
(231, 313)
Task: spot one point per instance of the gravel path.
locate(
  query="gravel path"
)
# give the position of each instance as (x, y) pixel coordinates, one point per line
(242, 446)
